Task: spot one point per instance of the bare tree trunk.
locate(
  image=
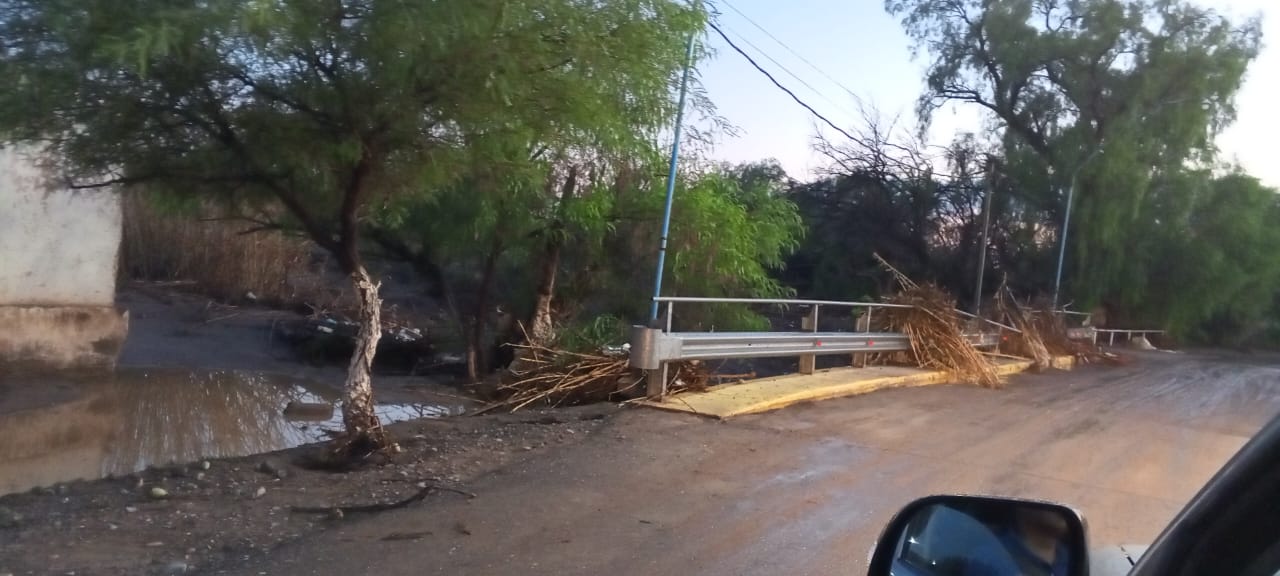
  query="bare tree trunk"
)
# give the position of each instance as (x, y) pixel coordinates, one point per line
(358, 416)
(541, 325)
(477, 359)
(364, 434)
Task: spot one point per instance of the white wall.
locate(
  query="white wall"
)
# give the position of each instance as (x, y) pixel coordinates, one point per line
(58, 247)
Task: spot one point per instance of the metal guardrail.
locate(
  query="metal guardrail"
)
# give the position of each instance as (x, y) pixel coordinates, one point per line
(1090, 333)
(1083, 333)
(671, 301)
(1111, 334)
(815, 305)
(650, 347)
(653, 348)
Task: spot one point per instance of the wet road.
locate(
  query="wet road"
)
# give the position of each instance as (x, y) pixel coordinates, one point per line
(806, 490)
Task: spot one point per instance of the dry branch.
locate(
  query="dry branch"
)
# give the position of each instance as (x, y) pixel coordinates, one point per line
(381, 507)
(1028, 343)
(549, 377)
(936, 331)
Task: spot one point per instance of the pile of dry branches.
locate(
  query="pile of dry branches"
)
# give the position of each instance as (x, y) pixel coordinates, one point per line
(1044, 334)
(936, 332)
(1054, 331)
(548, 377)
(690, 376)
(1027, 343)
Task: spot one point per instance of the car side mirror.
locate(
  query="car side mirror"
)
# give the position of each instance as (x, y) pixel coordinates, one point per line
(981, 536)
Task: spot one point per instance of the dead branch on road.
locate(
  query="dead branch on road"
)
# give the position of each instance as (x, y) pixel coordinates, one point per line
(382, 506)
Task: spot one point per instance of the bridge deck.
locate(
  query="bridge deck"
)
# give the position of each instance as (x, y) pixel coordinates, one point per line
(766, 394)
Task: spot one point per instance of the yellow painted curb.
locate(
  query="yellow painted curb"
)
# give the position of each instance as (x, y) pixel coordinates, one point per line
(767, 394)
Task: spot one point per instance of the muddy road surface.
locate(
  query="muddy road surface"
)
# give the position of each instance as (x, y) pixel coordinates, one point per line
(806, 490)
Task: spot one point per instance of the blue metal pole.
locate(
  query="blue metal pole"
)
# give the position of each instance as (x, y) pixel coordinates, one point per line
(1066, 223)
(671, 181)
(1062, 246)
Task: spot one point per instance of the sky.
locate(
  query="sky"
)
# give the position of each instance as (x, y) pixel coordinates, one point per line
(855, 47)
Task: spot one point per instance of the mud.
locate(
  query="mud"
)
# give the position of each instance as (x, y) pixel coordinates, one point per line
(807, 490)
(111, 424)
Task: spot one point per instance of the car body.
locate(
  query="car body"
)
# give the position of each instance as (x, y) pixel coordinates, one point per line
(1230, 528)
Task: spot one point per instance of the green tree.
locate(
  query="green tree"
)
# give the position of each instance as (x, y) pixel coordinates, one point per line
(732, 229)
(321, 109)
(1142, 85)
(608, 88)
(1214, 239)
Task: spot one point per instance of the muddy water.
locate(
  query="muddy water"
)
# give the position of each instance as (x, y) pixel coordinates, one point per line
(58, 430)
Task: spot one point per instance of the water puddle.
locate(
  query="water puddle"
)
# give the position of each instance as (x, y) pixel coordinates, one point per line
(64, 430)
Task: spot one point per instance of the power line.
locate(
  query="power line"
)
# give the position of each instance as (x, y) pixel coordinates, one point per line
(779, 84)
(791, 50)
(797, 99)
(787, 70)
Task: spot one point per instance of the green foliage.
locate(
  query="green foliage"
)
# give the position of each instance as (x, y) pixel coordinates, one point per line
(589, 336)
(1142, 85)
(1120, 99)
(309, 103)
(730, 232)
(1214, 271)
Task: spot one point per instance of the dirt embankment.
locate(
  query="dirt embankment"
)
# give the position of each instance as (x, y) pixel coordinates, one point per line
(182, 519)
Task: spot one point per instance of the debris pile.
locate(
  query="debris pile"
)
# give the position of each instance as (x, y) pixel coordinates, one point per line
(1054, 331)
(691, 376)
(325, 338)
(1027, 342)
(547, 377)
(936, 331)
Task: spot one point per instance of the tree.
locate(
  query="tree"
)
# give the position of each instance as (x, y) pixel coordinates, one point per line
(732, 228)
(1143, 85)
(319, 109)
(1209, 257)
(530, 166)
(883, 195)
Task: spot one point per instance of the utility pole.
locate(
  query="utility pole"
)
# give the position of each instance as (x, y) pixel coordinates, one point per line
(1066, 223)
(671, 181)
(982, 249)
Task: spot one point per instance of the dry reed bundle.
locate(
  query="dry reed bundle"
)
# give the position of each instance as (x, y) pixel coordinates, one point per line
(1028, 343)
(935, 331)
(549, 377)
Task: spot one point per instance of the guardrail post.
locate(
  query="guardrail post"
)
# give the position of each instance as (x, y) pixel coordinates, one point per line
(671, 312)
(860, 324)
(1111, 339)
(808, 362)
(656, 383)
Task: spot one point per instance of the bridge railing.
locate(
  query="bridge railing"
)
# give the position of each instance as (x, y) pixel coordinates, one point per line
(652, 348)
(1129, 334)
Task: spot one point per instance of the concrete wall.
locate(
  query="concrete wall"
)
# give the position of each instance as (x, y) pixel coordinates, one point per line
(58, 254)
(58, 247)
(60, 337)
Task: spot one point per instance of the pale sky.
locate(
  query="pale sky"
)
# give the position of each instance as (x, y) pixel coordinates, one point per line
(864, 49)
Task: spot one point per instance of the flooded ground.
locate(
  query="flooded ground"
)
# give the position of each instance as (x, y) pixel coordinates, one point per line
(61, 429)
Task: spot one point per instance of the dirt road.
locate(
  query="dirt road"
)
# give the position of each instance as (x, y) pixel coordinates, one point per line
(806, 490)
